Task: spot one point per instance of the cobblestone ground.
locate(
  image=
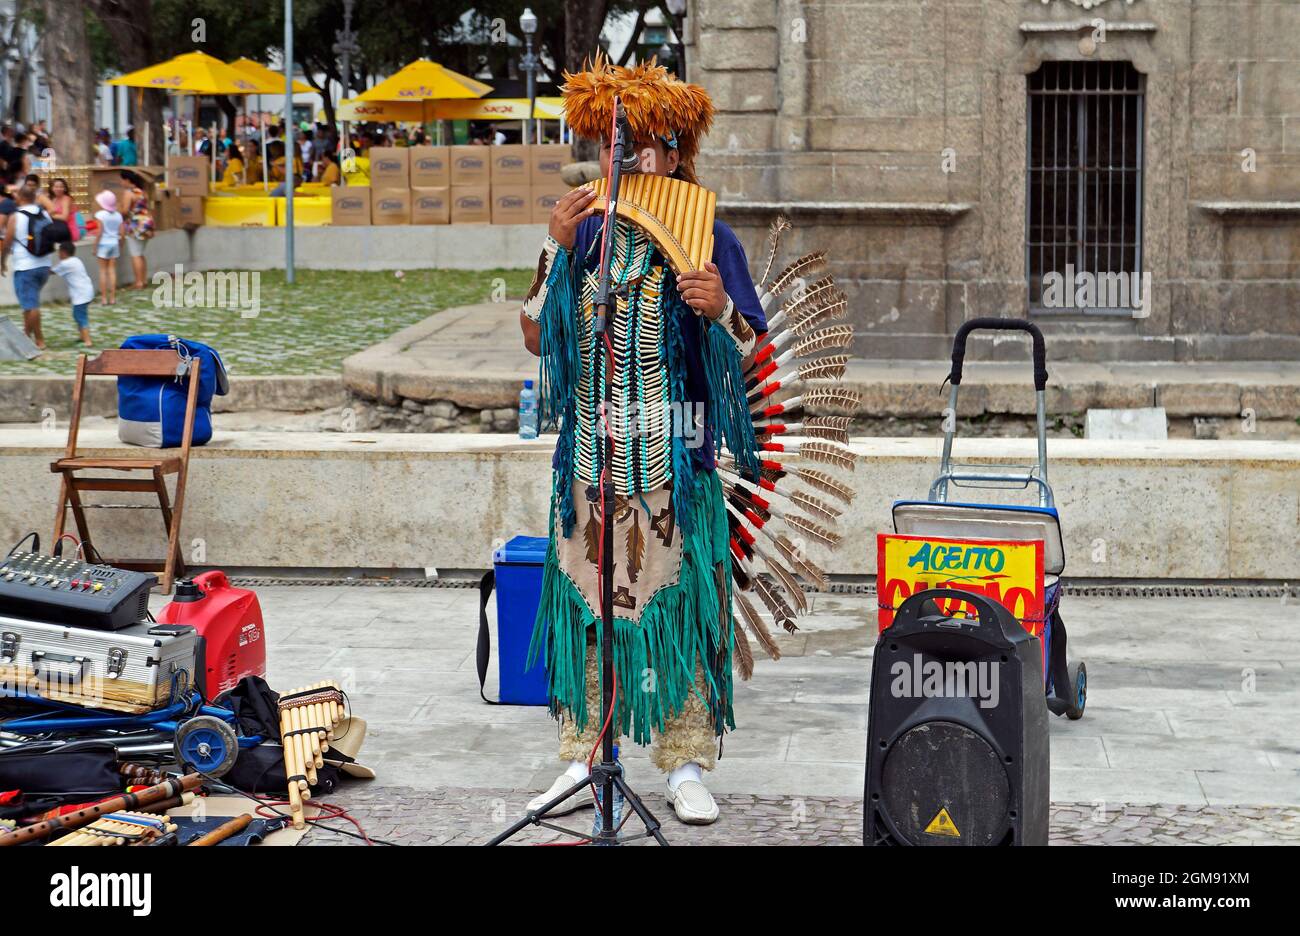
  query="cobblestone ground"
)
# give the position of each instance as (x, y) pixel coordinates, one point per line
(405, 816)
(1191, 711)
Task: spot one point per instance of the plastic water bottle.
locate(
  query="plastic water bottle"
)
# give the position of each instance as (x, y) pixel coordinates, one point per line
(528, 411)
(597, 822)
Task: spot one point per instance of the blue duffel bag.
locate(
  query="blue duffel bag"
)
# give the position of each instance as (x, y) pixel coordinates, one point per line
(151, 410)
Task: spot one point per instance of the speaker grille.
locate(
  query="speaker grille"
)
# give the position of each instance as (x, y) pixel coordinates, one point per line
(943, 766)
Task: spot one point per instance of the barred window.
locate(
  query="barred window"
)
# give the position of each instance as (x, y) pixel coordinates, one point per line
(1084, 195)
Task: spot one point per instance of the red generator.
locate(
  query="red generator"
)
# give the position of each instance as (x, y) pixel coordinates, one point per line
(231, 642)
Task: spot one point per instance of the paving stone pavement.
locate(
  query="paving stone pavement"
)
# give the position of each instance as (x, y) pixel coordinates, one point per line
(472, 817)
(1189, 736)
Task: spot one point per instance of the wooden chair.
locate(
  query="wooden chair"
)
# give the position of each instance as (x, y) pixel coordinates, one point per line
(137, 363)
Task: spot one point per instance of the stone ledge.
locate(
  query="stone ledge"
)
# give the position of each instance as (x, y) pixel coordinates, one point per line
(1172, 509)
(1250, 209)
(23, 398)
(1078, 25)
(846, 212)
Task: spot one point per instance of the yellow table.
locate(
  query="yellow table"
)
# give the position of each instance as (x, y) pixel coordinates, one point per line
(307, 212)
(239, 211)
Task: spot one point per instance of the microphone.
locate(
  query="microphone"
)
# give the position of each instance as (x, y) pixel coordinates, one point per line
(631, 162)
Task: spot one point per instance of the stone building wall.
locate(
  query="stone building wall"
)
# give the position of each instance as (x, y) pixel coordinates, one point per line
(839, 114)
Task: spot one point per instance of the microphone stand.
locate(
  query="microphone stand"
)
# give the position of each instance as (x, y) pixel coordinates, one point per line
(608, 774)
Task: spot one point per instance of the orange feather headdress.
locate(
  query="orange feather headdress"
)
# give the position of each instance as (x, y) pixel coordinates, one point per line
(656, 104)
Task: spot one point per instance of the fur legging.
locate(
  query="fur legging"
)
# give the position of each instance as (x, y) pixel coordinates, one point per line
(687, 737)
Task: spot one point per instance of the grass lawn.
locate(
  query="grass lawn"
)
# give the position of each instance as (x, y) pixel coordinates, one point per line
(307, 328)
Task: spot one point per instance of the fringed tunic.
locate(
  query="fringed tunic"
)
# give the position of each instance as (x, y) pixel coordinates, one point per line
(678, 396)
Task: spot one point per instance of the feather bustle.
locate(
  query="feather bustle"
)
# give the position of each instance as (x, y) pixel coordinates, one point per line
(829, 453)
(743, 653)
(809, 570)
(776, 605)
(781, 224)
(805, 266)
(757, 627)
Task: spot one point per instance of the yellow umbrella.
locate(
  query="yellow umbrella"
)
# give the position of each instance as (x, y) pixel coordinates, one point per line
(275, 79)
(549, 108)
(546, 108)
(196, 73)
(482, 109)
(423, 80)
(356, 111)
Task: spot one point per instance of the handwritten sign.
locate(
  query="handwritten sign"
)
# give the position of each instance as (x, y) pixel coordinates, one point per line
(1009, 572)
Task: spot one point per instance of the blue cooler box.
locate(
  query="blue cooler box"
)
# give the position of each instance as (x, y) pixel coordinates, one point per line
(518, 568)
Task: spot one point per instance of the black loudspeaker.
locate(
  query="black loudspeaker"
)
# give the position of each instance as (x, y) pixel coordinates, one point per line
(957, 749)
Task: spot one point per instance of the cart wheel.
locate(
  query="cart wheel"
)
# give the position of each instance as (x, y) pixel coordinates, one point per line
(206, 744)
(1079, 682)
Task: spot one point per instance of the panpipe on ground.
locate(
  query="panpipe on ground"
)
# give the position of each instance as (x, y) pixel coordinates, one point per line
(308, 717)
(120, 828)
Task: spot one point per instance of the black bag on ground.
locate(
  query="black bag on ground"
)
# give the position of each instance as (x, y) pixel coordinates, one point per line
(255, 706)
(73, 773)
(261, 769)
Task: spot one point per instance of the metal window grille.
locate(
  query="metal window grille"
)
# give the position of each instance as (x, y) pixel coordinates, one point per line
(1084, 195)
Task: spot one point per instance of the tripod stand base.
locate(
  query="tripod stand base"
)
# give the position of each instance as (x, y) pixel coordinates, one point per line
(537, 817)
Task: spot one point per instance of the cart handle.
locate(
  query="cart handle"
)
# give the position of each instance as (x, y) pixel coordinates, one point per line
(1000, 324)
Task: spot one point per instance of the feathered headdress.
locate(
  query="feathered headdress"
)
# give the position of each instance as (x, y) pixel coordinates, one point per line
(656, 104)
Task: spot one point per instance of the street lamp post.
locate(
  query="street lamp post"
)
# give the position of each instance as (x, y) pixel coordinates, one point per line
(531, 64)
(289, 146)
(345, 46)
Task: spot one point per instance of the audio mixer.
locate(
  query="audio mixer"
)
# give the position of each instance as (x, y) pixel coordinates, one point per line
(50, 588)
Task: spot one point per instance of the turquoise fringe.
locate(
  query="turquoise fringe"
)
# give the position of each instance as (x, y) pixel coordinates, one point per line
(682, 626)
(674, 319)
(558, 371)
(728, 409)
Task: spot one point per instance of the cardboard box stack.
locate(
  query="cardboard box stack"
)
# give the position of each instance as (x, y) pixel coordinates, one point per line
(516, 184)
(390, 205)
(349, 206)
(188, 177)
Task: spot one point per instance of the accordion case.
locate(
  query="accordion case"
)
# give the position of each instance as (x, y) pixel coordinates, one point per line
(135, 669)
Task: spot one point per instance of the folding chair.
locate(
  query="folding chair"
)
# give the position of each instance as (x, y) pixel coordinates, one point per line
(136, 363)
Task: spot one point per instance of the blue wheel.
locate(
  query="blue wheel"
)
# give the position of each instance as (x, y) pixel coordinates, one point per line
(207, 745)
(1079, 683)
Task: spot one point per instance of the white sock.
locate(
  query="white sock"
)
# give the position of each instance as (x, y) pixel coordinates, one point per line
(577, 769)
(689, 771)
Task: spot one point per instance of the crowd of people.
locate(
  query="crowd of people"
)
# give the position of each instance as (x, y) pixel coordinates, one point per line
(44, 229)
(30, 209)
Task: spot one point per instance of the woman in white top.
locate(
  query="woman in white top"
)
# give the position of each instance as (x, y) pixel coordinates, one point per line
(108, 246)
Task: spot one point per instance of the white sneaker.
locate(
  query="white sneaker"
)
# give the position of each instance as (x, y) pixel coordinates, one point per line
(583, 797)
(693, 803)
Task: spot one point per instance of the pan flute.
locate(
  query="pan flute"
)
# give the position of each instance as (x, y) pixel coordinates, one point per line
(308, 717)
(677, 215)
(120, 828)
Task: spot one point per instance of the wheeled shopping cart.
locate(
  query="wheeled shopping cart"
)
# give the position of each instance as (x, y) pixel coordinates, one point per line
(942, 516)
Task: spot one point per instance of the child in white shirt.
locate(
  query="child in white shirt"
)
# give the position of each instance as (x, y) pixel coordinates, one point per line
(80, 289)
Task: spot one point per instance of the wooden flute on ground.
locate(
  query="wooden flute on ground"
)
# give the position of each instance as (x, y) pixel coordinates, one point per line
(74, 820)
(224, 831)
